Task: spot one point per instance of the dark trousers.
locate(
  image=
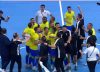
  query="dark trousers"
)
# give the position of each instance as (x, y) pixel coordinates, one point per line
(45, 62)
(59, 64)
(79, 47)
(91, 65)
(16, 59)
(5, 61)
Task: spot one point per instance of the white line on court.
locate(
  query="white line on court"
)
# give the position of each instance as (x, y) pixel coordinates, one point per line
(62, 18)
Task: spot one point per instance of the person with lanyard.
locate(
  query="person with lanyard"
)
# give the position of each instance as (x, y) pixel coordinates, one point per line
(60, 50)
(90, 35)
(2, 18)
(67, 39)
(80, 31)
(69, 18)
(42, 13)
(92, 53)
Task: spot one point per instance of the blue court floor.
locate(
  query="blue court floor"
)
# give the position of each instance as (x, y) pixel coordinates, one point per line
(21, 12)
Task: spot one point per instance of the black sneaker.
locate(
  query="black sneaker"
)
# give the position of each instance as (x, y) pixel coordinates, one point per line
(75, 68)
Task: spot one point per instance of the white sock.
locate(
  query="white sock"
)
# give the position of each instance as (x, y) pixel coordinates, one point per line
(76, 64)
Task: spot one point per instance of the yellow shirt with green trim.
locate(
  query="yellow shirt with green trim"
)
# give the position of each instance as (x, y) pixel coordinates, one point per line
(30, 32)
(35, 25)
(43, 25)
(69, 17)
(52, 38)
(34, 38)
(93, 30)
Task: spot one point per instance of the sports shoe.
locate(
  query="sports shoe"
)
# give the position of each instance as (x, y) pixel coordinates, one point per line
(75, 68)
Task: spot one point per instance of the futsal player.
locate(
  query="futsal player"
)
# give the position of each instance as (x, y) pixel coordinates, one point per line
(34, 50)
(28, 32)
(46, 33)
(34, 24)
(69, 18)
(52, 38)
(44, 23)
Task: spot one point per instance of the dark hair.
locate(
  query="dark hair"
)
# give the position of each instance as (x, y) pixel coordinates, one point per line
(92, 43)
(91, 24)
(30, 25)
(45, 28)
(59, 35)
(15, 35)
(43, 39)
(57, 23)
(36, 28)
(54, 29)
(44, 17)
(3, 31)
(79, 15)
(1, 11)
(68, 7)
(43, 5)
(90, 32)
(64, 25)
(92, 40)
(31, 18)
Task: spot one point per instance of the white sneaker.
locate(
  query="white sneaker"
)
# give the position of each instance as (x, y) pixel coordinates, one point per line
(85, 64)
(2, 70)
(52, 67)
(54, 70)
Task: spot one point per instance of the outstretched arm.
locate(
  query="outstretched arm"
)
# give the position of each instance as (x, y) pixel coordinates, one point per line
(81, 12)
(7, 18)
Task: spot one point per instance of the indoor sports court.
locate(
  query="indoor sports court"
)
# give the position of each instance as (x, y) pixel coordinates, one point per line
(21, 11)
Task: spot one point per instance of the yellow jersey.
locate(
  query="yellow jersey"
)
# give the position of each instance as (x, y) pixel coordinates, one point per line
(69, 18)
(35, 25)
(93, 30)
(34, 38)
(43, 25)
(29, 32)
(52, 38)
